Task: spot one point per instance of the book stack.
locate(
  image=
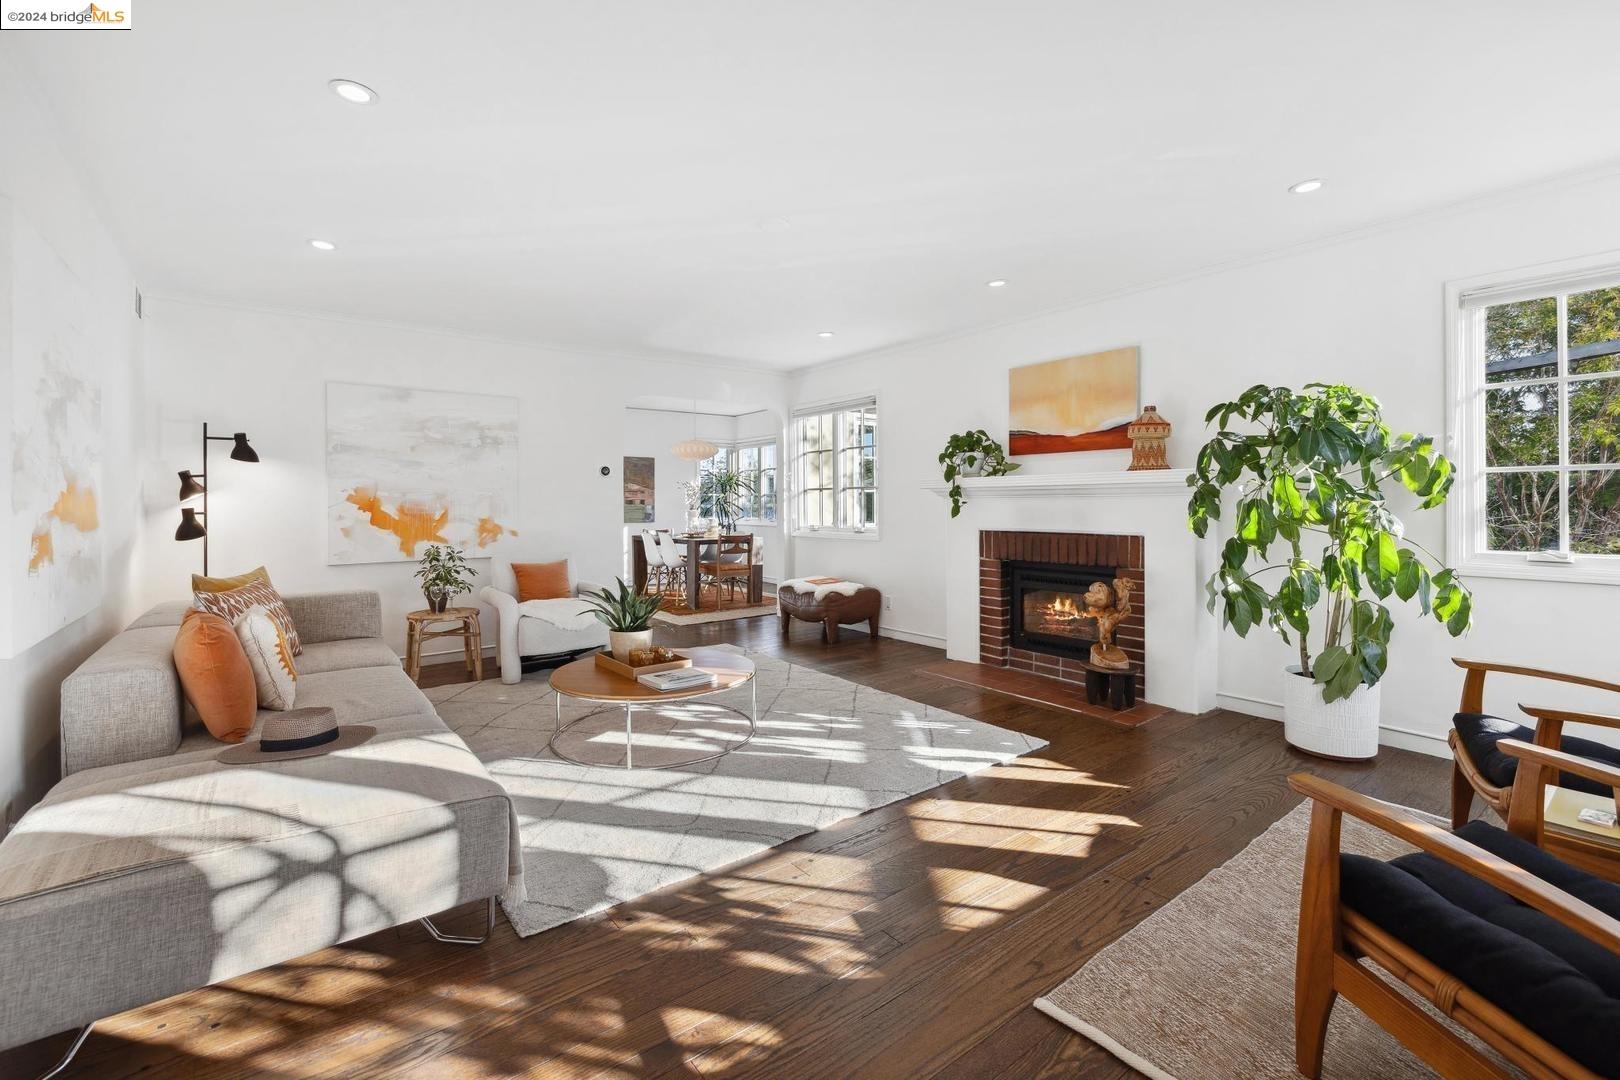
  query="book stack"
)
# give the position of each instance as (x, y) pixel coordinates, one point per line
(678, 679)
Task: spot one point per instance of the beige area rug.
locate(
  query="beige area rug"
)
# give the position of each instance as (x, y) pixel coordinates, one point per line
(678, 614)
(1204, 987)
(594, 836)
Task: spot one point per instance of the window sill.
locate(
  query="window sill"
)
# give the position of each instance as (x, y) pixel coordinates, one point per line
(759, 522)
(1581, 570)
(835, 534)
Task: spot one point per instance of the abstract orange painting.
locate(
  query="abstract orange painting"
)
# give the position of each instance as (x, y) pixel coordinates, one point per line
(406, 468)
(1076, 403)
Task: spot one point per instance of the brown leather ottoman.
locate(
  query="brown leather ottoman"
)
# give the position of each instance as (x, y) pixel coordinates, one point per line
(831, 611)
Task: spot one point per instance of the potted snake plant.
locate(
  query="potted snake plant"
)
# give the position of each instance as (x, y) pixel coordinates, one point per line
(628, 616)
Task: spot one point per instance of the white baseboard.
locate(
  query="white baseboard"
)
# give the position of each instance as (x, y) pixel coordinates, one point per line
(1388, 734)
(933, 640)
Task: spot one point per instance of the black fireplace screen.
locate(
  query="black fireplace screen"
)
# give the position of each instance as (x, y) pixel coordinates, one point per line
(1049, 607)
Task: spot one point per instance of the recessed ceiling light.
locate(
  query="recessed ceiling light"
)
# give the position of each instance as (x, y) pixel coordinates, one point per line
(1305, 187)
(352, 92)
(825, 333)
(996, 284)
(323, 245)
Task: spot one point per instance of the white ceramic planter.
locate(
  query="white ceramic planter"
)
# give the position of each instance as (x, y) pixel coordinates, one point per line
(622, 641)
(1346, 729)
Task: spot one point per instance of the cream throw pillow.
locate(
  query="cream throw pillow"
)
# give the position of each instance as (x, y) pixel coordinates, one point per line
(270, 656)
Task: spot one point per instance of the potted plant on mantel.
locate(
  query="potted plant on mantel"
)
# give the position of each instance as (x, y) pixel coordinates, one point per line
(628, 616)
(1308, 476)
(972, 453)
(444, 574)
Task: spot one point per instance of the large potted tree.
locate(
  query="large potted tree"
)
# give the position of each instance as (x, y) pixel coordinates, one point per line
(1316, 549)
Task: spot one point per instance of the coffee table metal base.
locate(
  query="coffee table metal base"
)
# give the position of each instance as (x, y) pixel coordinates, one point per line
(558, 730)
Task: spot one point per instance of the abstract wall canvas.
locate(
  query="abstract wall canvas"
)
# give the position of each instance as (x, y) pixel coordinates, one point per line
(1077, 403)
(638, 490)
(54, 544)
(408, 468)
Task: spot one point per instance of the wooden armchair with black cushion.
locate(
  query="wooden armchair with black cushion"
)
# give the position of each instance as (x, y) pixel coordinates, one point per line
(1509, 942)
(1480, 767)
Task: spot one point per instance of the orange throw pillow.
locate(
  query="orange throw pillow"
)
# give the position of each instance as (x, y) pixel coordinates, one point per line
(215, 675)
(542, 580)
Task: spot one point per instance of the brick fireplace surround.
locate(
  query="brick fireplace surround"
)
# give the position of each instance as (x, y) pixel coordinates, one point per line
(1122, 554)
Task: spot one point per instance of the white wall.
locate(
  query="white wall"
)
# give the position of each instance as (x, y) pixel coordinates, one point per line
(1365, 310)
(265, 373)
(45, 192)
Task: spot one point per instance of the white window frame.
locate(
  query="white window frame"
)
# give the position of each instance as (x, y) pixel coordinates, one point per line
(1465, 304)
(732, 452)
(826, 532)
(759, 496)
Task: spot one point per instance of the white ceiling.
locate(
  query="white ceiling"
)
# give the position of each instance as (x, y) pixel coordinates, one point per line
(726, 179)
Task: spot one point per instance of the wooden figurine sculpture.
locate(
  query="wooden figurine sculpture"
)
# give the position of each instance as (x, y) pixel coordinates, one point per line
(1148, 434)
(1109, 607)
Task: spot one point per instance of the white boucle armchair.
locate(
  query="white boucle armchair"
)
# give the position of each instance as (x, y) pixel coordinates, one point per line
(539, 630)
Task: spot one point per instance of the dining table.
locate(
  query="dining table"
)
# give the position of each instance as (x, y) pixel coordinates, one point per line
(695, 543)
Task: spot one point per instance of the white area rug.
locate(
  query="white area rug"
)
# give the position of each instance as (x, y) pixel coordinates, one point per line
(826, 749)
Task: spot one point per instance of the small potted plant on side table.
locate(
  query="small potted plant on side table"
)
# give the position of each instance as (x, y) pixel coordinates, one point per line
(1307, 469)
(444, 574)
(628, 616)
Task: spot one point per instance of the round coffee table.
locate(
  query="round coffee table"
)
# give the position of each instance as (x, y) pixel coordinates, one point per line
(583, 680)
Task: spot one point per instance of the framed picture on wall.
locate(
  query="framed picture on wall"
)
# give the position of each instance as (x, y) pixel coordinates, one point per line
(406, 468)
(1076, 403)
(638, 490)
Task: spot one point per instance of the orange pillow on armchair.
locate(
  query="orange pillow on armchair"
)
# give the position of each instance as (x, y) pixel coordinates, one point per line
(542, 580)
(215, 675)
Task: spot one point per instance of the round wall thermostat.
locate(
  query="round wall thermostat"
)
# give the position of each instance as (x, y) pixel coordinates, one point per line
(606, 470)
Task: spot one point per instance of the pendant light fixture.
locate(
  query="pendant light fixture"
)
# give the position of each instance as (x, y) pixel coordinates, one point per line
(694, 449)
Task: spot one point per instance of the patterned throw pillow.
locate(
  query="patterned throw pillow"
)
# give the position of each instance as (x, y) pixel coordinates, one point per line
(234, 603)
(270, 657)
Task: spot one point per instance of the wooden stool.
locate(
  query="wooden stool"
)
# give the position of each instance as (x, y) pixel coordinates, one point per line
(466, 628)
(1117, 687)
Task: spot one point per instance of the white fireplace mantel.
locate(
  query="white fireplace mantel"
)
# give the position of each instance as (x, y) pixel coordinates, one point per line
(1182, 639)
(1021, 485)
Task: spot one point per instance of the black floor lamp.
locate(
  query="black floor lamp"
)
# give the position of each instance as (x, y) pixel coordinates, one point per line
(195, 484)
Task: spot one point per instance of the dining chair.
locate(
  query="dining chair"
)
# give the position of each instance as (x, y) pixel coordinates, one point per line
(733, 562)
(672, 557)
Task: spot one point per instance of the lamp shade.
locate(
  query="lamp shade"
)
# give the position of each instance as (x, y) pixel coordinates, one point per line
(695, 450)
(190, 528)
(241, 451)
(190, 486)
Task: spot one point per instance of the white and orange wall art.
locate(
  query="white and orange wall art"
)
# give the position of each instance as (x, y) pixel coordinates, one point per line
(53, 547)
(408, 467)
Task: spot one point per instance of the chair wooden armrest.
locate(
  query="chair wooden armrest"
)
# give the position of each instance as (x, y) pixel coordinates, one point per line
(1570, 716)
(1599, 772)
(1473, 694)
(1426, 836)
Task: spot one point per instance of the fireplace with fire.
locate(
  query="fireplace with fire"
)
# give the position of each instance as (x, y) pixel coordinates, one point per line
(1049, 607)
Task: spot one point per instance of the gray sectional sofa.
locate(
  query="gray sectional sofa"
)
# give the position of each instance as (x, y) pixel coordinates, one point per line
(152, 868)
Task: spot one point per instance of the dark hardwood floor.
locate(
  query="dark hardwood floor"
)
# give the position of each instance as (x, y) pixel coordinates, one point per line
(907, 942)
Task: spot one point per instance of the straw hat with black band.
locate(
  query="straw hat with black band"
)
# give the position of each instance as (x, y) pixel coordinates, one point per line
(297, 733)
